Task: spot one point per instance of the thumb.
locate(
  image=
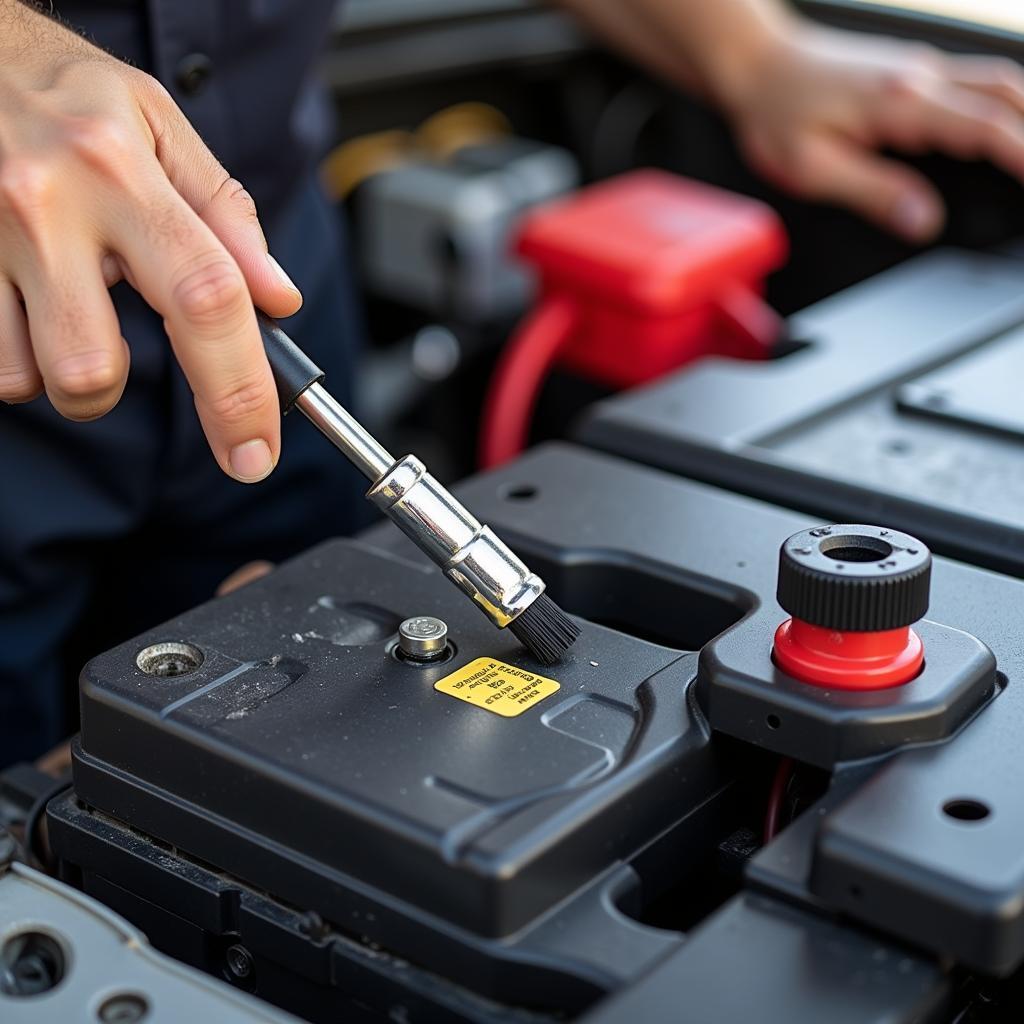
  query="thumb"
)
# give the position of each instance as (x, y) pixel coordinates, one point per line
(886, 192)
(223, 203)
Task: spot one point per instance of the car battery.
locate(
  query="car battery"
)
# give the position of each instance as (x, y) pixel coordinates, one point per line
(897, 401)
(277, 789)
(471, 814)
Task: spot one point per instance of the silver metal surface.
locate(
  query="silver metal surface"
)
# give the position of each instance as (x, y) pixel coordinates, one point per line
(423, 637)
(109, 969)
(345, 432)
(468, 553)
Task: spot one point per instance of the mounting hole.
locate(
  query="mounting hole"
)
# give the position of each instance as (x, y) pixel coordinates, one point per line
(898, 446)
(31, 963)
(855, 548)
(773, 721)
(123, 1008)
(169, 659)
(966, 810)
(520, 492)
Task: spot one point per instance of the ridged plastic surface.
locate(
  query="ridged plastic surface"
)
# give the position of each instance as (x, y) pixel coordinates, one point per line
(888, 590)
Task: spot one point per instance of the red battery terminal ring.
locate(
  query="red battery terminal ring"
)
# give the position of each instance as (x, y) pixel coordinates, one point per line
(853, 592)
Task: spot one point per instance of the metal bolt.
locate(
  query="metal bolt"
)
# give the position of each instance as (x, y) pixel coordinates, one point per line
(423, 638)
(239, 961)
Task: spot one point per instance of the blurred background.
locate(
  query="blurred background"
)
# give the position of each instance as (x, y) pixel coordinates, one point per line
(456, 117)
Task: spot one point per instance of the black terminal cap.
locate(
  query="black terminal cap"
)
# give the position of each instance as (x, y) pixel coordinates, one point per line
(854, 578)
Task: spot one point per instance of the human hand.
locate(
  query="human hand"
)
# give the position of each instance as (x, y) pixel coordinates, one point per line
(812, 107)
(103, 178)
(243, 576)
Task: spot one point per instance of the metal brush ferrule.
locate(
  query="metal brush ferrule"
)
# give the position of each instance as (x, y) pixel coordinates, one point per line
(466, 551)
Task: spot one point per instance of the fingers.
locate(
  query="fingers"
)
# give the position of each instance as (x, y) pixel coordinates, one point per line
(998, 77)
(223, 204)
(231, 215)
(75, 335)
(19, 376)
(187, 275)
(884, 191)
(56, 762)
(241, 577)
(956, 120)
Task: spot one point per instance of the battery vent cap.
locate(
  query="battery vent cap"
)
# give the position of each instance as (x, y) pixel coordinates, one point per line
(853, 592)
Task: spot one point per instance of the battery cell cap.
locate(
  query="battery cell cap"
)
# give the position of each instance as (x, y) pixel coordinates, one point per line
(853, 592)
(423, 637)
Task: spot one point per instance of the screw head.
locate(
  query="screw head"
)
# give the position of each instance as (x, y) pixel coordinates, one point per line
(423, 638)
(239, 961)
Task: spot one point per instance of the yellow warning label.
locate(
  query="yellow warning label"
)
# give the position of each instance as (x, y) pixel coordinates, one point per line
(503, 689)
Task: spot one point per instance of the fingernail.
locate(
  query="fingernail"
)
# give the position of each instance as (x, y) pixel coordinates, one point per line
(281, 275)
(916, 217)
(251, 461)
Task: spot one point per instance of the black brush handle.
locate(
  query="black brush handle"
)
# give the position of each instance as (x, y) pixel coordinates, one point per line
(293, 370)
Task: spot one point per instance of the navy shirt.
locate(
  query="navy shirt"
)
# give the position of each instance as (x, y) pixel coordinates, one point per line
(241, 70)
(123, 522)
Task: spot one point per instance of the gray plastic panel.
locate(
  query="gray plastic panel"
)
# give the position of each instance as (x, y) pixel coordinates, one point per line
(981, 389)
(107, 958)
(822, 428)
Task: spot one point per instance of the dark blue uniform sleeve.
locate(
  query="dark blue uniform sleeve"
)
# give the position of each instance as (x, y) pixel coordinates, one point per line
(111, 526)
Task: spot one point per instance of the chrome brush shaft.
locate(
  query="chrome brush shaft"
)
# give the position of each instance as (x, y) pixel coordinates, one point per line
(344, 431)
(465, 550)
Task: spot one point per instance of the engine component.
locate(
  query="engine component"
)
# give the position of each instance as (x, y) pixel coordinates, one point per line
(661, 269)
(437, 236)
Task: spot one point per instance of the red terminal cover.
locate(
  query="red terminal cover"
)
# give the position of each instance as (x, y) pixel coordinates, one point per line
(661, 270)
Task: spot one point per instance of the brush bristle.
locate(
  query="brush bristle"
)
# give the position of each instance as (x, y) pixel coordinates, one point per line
(545, 630)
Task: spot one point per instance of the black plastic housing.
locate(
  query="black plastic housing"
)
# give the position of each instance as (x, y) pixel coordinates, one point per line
(304, 758)
(854, 577)
(214, 777)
